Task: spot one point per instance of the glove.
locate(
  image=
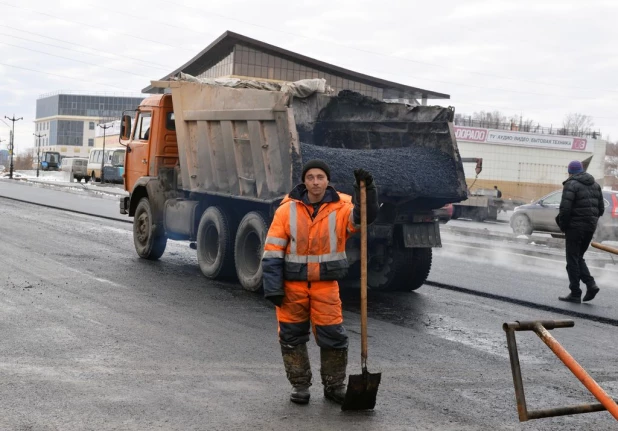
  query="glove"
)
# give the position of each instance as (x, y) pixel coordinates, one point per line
(277, 300)
(363, 175)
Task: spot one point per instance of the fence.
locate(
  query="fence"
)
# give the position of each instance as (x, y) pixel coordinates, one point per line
(525, 127)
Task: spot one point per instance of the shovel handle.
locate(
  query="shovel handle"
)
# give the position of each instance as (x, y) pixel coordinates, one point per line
(363, 301)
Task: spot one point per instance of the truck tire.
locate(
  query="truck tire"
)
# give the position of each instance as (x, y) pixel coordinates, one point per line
(480, 214)
(521, 225)
(215, 244)
(149, 240)
(456, 212)
(248, 249)
(381, 277)
(414, 272)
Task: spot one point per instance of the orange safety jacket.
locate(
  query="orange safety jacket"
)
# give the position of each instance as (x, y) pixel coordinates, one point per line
(301, 248)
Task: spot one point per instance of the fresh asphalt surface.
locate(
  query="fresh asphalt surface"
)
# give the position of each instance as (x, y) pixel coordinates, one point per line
(95, 338)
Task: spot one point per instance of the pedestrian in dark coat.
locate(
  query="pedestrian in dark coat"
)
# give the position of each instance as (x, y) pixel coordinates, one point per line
(580, 209)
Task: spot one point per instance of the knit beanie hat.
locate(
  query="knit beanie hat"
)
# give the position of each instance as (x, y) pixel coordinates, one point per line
(316, 164)
(575, 167)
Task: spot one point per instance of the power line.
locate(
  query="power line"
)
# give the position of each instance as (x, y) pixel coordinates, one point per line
(210, 12)
(157, 65)
(63, 76)
(95, 26)
(72, 59)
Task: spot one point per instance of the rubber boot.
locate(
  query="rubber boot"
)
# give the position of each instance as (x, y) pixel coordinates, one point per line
(298, 371)
(333, 371)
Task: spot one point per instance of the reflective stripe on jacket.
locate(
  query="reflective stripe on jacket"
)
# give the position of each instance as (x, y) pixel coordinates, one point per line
(298, 248)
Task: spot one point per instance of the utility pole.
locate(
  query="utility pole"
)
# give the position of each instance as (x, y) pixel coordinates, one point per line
(4, 140)
(38, 151)
(104, 127)
(12, 144)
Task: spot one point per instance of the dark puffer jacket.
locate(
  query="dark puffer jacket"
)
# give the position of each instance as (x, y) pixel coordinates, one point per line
(582, 203)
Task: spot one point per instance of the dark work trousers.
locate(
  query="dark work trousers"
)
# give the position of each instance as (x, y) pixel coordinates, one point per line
(577, 242)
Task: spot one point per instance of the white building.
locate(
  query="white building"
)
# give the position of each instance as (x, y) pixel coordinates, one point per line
(525, 166)
(69, 120)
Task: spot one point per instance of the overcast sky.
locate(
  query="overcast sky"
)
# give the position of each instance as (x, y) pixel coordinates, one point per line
(540, 59)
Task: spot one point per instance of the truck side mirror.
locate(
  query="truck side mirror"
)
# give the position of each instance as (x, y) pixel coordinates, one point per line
(125, 127)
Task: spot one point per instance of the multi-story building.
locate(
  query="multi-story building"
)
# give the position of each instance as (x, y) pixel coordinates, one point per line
(69, 120)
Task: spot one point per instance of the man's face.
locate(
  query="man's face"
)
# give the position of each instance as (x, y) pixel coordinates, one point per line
(316, 183)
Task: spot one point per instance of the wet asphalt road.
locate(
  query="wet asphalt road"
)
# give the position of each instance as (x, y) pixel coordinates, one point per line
(95, 338)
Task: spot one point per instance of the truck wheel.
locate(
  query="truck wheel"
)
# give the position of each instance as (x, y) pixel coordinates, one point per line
(214, 244)
(480, 214)
(248, 250)
(381, 275)
(415, 271)
(521, 225)
(148, 238)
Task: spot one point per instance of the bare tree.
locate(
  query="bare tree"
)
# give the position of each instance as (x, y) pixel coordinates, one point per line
(489, 119)
(577, 123)
(611, 159)
(23, 161)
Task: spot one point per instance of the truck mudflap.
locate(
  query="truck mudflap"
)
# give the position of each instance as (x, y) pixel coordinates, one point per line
(124, 205)
(422, 235)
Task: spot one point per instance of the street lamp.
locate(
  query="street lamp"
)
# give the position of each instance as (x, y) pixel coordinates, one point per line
(38, 151)
(12, 143)
(104, 127)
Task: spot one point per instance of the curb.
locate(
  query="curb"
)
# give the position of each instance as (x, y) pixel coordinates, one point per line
(486, 233)
(46, 184)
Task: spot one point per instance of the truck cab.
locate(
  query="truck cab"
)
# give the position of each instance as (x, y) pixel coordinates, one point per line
(150, 141)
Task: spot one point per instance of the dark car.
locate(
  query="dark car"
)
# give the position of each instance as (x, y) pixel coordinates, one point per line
(540, 216)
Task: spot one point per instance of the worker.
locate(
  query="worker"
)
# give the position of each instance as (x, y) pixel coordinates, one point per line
(304, 256)
(498, 192)
(581, 206)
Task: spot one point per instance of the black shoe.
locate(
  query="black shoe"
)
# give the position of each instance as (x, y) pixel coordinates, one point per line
(300, 395)
(591, 292)
(571, 298)
(336, 394)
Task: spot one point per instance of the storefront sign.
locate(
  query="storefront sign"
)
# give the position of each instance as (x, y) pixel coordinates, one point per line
(493, 136)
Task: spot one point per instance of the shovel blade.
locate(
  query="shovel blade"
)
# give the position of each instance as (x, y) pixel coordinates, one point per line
(362, 391)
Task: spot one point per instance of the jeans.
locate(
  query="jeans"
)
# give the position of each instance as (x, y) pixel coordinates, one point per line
(577, 242)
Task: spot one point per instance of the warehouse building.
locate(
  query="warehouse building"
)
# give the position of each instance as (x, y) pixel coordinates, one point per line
(238, 56)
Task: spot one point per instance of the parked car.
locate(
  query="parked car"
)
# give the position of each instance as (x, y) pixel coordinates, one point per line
(77, 165)
(540, 216)
(444, 214)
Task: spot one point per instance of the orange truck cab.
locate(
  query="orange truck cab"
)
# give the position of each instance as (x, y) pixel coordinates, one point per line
(151, 144)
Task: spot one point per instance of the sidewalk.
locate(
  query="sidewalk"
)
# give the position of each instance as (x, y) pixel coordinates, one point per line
(60, 180)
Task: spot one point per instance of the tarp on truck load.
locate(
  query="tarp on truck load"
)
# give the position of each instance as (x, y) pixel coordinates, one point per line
(252, 143)
(302, 88)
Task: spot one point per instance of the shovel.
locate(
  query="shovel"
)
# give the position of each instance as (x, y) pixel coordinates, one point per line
(363, 388)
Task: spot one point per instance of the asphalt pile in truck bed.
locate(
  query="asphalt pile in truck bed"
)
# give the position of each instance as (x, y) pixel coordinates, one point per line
(410, 173)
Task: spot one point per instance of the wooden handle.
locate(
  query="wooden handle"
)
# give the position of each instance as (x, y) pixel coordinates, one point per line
(363, 303)
(604, 247)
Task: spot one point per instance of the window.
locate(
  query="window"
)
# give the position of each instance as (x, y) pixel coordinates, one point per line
(91, 125)
(91, 142)
(553, 199)
(170, 124)
(142, 126)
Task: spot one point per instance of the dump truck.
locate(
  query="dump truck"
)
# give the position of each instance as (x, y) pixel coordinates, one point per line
(482, 204)
(210, 163)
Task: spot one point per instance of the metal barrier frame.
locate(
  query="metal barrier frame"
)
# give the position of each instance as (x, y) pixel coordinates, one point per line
(542, 328)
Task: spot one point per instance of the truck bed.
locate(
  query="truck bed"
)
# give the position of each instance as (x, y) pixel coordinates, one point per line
(252, 143)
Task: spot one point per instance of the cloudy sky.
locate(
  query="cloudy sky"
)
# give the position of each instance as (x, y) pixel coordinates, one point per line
(539, 59)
